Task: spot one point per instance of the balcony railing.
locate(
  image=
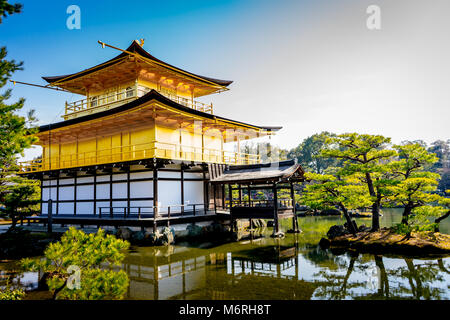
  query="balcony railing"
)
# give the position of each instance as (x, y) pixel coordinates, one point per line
(102, 103)
(156, 149)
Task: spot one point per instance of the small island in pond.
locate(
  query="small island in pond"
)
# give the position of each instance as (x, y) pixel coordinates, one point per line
(386, 240)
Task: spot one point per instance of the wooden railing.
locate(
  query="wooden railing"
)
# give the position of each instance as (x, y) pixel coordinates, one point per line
(156, 149)
(153, 212)
(102, 103)
(254, 203)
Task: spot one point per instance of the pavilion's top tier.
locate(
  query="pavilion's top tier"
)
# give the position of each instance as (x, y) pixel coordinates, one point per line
(130, 75)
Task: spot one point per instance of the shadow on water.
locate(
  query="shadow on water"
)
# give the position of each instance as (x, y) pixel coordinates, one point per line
(294, 267)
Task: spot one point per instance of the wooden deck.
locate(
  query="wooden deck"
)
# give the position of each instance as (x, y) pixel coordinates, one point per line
(144, 221)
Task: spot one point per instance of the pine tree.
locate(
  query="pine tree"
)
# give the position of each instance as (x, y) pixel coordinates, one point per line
(15, 136)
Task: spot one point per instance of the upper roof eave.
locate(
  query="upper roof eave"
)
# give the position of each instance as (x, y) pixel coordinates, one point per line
(134, 47)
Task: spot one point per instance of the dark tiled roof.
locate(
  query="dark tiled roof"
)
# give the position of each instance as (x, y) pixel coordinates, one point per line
(134, 47)
(274, 171)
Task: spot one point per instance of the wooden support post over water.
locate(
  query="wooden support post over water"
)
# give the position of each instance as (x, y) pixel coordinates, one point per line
(223, 197)
(50, 216)
(230, 194)
(155, 198)
(215, 197)
(276, 227)
(295, 227)
(182, 188)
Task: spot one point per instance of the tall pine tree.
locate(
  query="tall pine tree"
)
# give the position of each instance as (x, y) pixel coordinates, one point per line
(14, 136)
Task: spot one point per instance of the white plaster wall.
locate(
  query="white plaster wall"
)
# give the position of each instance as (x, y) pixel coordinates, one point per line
(85, 207)
(141, 175)
(102, 204)
(45, 208)
(169, 174)
(121, 176)
(48, 193)
(119, 190)
(102, 178)
(193, 175)
(193, 192)
(85, 180)
(66, 193)
(169, 193)
(66, 208)
(66, 181)
(142, 203)
(141, 189)
(85, 192)
(102, 191)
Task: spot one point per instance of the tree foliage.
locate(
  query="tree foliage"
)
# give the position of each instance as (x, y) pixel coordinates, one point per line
(17, 195)
(330, 191)
(373, 173)
(366, 156)
(308, 153)
(20, 197)
(9, 293)
(8, 9)
(414, 185)
(95, 255)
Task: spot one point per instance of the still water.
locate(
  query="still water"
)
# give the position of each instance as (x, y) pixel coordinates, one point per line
(290, 268)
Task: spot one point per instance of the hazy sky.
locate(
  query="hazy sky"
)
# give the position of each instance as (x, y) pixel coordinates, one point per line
(308, 66)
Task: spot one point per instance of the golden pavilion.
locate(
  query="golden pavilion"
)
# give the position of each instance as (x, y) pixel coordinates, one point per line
(138, 142)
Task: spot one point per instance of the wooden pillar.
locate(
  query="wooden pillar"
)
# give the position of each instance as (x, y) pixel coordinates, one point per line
(276, 227)
(128, 190)
(295, 227)
(57, 194)
(155, 191)
(42, 192)
(215, 197)
(230, 195)
(75, 195)
(205, 191)
(223, 196)
(50, 216)
(95, 192)
(182, 188)
(110, 191)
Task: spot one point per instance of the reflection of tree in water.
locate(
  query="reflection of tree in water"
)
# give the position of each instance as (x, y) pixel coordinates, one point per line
(391, 283)
(10, 274)
(420, 277)
(335, 285)
(325, 259)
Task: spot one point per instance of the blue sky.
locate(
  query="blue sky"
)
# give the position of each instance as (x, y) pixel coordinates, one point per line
(307, 65)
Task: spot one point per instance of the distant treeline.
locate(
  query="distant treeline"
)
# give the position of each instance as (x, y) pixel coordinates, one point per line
(308, 151)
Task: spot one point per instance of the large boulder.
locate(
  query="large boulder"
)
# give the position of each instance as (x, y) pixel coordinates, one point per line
(363, 228)
(167, 237)
(330, 212)
(336, 231)
(194, 230)
(152, 237)
(124, 233)
(138, 236)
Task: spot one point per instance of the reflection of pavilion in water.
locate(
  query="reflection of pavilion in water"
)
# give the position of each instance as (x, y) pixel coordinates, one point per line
(218, 275)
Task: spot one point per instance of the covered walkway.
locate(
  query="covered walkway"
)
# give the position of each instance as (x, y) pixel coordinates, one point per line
(240, 189)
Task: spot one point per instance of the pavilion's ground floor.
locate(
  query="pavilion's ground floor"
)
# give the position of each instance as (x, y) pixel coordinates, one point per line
(160, 192)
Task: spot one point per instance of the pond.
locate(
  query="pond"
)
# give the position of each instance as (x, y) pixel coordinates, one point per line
(294, 267)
